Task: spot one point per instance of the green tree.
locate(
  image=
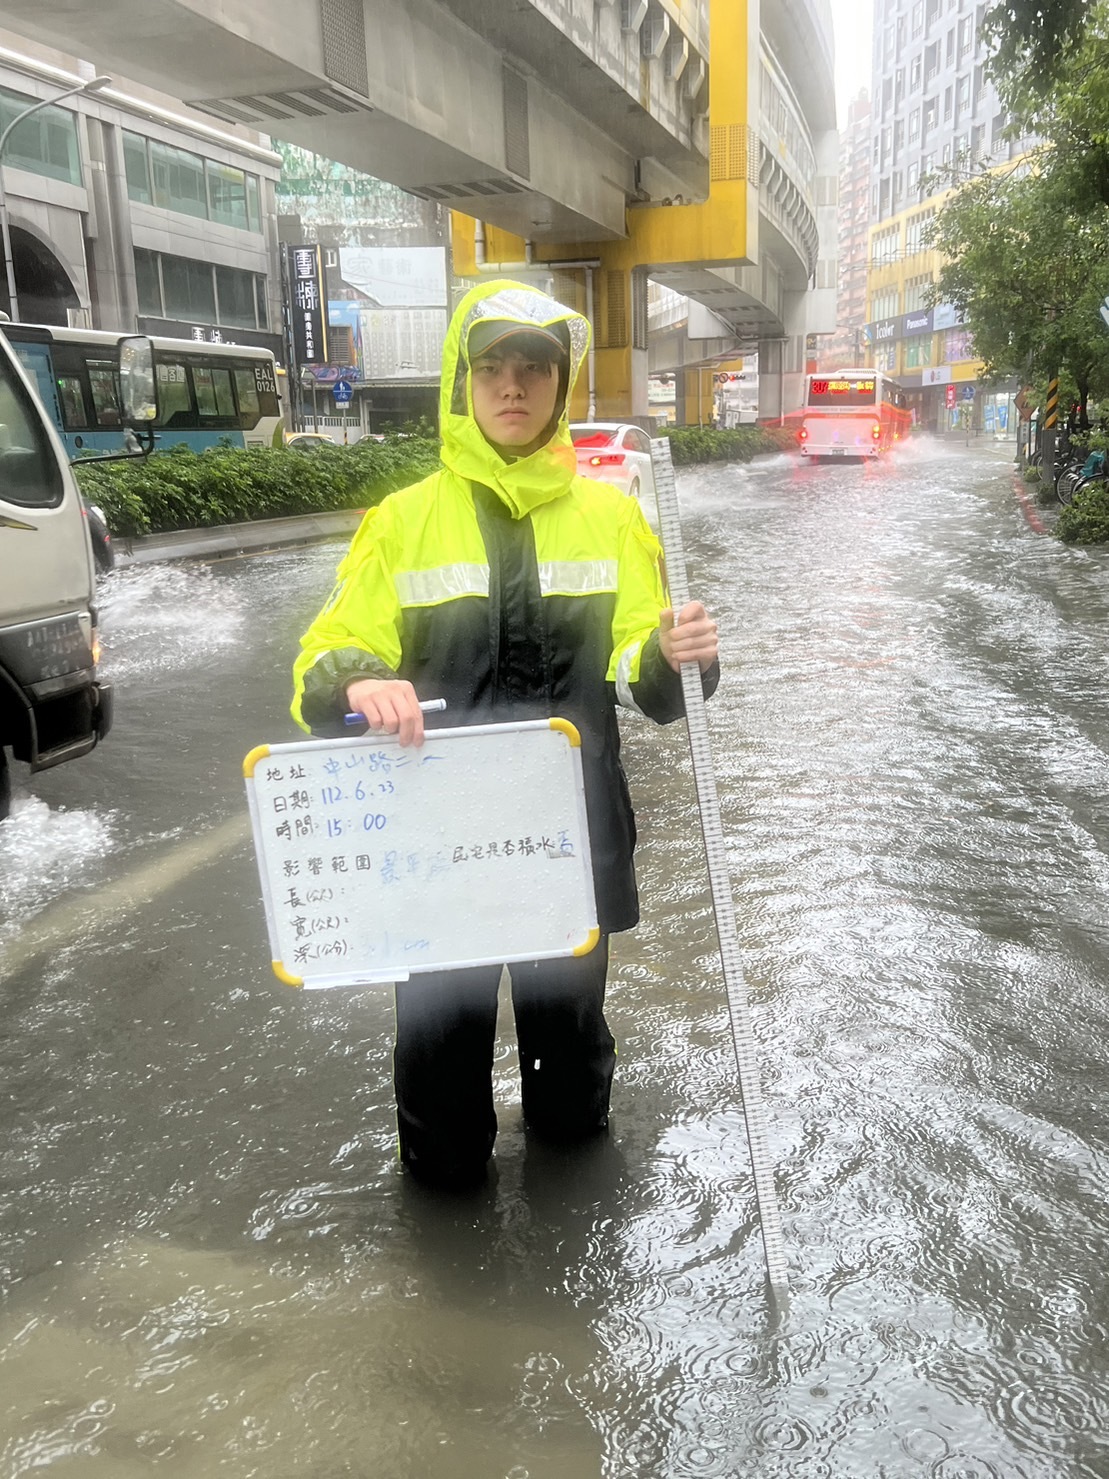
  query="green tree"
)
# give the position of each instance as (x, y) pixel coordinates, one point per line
(1028, 264)
(1033, 40)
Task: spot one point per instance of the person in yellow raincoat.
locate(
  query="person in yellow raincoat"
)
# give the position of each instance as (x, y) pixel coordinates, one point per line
(514, 589)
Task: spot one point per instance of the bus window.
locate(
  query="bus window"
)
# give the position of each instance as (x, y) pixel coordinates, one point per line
(246, 389)
(175, 406)
(214, 398)
(74, 403)
(29, 473)
(104, 383)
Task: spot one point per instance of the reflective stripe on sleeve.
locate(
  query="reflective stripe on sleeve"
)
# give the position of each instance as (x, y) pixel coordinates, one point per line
(624, 677)
(443, 583)
(577, 577)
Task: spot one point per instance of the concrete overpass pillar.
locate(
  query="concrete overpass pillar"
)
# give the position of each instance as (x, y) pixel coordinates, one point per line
(693, 397)
(620, 337)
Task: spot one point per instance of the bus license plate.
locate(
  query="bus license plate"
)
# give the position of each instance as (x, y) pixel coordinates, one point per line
(837, 451)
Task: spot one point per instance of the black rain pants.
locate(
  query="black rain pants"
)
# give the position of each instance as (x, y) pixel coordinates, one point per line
(443, 1060)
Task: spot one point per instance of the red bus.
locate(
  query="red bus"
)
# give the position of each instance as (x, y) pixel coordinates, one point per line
(852, 414)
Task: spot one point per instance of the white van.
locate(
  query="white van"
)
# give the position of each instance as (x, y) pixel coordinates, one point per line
(53, 704)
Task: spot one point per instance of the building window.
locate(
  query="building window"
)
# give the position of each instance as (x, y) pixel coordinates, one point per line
(227, 195)
(915, 232)
(885, 304)
(137, 166)
(957, 346)
(178, 180)
(45, 143)
(149, 283)
(916, 291)
(236, 298)
(199, 292)
(885, 248)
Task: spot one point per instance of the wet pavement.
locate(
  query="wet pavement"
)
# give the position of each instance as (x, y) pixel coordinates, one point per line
(210, 1262)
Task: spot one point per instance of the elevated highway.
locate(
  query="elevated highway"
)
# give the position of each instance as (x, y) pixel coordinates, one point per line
(692, 141)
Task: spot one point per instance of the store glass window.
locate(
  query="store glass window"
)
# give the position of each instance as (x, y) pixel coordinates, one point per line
(227, 195)
(260, 302)
(918, 352)
(189, 292)
(137, 165)
(45, 143)
(235, 290)
(957, 346)
(178, 178)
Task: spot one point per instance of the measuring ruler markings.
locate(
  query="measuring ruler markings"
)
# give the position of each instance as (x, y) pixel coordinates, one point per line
(743, 1037)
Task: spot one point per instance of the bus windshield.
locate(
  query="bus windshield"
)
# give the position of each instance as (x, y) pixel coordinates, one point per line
(850, 390)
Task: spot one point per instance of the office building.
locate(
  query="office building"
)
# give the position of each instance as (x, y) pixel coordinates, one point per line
(129, 211)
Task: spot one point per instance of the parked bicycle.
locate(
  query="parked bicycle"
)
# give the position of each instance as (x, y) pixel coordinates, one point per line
(1078, 474)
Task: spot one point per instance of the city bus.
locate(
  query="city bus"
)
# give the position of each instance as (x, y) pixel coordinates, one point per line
(209, 395)
(852, 414)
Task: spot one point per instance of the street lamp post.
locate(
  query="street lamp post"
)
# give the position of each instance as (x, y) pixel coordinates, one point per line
(94, 84)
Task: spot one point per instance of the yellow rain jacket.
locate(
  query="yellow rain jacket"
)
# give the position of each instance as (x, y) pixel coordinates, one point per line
(511, 589)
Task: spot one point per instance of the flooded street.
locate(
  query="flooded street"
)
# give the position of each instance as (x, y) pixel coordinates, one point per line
(210, 1261)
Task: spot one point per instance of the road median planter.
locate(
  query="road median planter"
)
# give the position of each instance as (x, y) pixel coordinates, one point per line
(186, 490)
(690, 445)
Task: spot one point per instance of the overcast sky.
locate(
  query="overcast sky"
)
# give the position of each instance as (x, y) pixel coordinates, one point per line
(852, 20)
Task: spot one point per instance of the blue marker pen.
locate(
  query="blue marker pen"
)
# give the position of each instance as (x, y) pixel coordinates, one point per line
(429, 706)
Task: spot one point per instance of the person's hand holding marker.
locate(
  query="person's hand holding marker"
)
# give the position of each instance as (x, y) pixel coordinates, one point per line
(690, 637)
(390, 706)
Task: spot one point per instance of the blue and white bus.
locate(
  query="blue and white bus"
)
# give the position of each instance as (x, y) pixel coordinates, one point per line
(209, 395)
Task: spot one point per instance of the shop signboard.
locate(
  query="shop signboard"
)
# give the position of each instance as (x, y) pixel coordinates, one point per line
(883, 331)
(919, 322)
(946, 316)
(936, 375)
(951, 394)
(307, 305)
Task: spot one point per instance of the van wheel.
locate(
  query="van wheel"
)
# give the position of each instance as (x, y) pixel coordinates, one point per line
(5, 785)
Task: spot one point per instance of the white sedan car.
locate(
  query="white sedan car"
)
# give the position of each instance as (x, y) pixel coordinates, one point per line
(615, 452)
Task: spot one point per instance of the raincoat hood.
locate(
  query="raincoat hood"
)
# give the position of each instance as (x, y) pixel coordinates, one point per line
(526, 482)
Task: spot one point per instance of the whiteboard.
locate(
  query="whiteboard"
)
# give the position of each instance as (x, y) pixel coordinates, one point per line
(378, 862)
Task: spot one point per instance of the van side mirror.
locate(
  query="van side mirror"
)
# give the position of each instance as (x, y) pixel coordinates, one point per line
(138, 387)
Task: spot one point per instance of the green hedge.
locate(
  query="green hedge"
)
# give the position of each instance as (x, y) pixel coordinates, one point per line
(693, 444)
(1086, 519)
(180, 489)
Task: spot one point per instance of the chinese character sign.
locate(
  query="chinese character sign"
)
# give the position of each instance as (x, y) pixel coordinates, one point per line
(307, 304)
(379, 862)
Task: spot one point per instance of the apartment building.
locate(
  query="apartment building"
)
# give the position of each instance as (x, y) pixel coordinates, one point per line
(936, 118)
(847, 346)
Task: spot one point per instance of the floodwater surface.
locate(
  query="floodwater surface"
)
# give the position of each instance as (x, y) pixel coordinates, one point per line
(210, 1260)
